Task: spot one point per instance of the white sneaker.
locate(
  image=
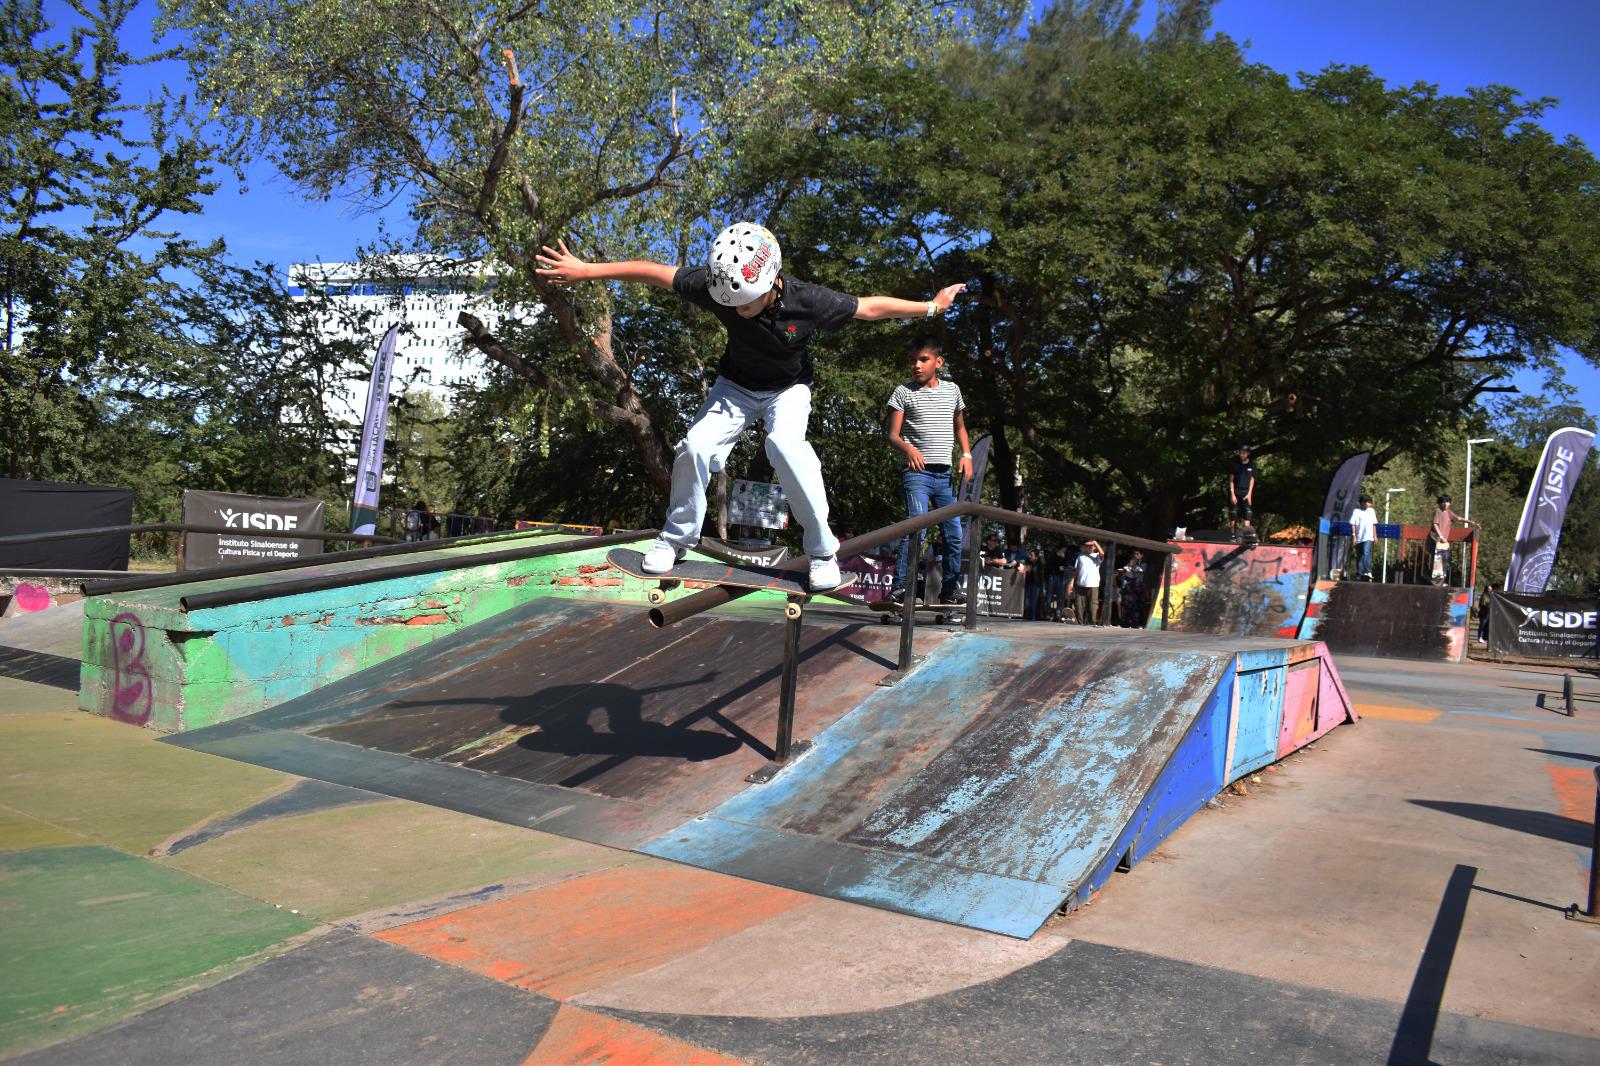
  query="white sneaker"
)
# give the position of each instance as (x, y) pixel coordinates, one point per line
(660, 559)
(824, 573)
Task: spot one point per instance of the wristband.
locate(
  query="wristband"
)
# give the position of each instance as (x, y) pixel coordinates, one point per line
(931, 307)
(966, 455)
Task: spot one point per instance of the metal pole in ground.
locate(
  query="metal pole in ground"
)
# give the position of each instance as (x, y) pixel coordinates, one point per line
(908, 610)
(1166, 590)
(786, 690)
(1566, 696)
(973, 526)
(1108, 588)
(1592, 912)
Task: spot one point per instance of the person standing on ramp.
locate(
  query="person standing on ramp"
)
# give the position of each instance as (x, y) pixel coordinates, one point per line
(925, 425)
(1242, 476)
(765, 373)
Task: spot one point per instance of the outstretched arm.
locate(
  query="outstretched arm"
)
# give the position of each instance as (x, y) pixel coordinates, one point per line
(876, 308)
(561, 267)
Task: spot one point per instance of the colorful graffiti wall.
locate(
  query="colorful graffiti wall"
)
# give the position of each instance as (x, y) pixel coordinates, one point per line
(1237, 590)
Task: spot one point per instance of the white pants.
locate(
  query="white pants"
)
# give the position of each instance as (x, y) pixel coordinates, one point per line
(727, 413)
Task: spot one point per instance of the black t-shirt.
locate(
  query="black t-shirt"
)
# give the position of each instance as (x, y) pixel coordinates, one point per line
(769, 351)
(1243, 476)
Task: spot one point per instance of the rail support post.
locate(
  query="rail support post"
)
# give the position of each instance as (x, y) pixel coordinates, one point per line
(1166, 590)
(973, 580)
(908, 615)
(1591, 913)
(1566, 696)
(785, 748)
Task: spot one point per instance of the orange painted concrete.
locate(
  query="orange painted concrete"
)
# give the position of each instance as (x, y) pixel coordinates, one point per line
(580, 934)
(1574, 787)
(576, 1035)
(1396, 714)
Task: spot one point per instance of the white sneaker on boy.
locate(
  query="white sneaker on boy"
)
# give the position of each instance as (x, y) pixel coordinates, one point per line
(660, 559)
(824, 573)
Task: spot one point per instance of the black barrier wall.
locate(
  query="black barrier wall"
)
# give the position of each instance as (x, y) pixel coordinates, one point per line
(1543, 627)
(51, 507)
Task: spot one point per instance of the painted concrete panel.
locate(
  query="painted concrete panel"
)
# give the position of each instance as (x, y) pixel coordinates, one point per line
(1393, 621)
(1259, 721)
(1237, 590)
(1302, 692)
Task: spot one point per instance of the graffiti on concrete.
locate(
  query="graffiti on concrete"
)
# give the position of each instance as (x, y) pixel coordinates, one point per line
(1238, 590)
(131, 698)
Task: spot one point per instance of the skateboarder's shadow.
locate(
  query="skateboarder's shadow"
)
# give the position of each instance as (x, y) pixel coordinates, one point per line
(566, 716)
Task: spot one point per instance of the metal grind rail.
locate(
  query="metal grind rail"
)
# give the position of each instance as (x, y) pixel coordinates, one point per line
(385, 551)
(785, 747)
(160, 527)
(326, 582)
(181, 527)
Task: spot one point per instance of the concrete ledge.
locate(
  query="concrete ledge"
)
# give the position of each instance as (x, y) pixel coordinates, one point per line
(147, 662)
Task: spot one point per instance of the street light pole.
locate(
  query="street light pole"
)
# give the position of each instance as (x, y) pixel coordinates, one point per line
(1386, 496)
(1466, 504)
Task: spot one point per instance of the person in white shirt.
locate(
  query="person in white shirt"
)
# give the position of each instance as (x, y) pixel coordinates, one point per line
(1084, 588)
(1363, 532)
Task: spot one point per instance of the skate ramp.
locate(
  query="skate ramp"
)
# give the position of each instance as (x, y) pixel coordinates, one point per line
(1006, 776)
(1392, 621)
(1011, 774)
(573, 715)
(44, 646)
(1236, 590)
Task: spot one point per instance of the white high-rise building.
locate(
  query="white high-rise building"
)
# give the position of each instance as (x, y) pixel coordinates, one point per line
(424, 294)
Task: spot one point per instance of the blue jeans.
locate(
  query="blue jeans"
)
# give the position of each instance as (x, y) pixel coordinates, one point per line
(1364, 559)
(926, 492)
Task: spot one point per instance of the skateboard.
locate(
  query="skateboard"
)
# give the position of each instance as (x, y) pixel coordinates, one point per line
(790, 582)
(942, 612)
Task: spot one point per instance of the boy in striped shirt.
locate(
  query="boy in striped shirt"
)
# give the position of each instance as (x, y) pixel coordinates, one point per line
(925, 423)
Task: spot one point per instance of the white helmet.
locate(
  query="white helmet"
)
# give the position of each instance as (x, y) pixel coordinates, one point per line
(745, 261)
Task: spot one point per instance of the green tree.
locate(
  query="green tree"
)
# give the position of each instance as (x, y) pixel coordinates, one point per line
(133, 355)
(85, 270)
(616, 134)
(1182, 251)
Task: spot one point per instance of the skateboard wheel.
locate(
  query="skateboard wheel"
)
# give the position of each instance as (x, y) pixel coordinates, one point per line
(791, 610)
(656, 597)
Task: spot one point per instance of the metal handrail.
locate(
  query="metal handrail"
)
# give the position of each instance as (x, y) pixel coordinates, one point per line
(688, 606)
(182, 527)
(325, 582)
(186, 577)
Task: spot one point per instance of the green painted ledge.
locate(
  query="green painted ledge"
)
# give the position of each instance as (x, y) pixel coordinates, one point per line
(148, 662)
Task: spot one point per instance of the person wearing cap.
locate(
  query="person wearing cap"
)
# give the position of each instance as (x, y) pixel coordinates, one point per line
(1242, 476)
(1364, 533)
(765, 374)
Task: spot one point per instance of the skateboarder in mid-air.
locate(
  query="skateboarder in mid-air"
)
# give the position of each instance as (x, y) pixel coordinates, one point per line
(765, 373)
(925, 424)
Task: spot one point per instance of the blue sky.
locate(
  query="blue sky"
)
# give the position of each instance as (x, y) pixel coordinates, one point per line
(1541, 47)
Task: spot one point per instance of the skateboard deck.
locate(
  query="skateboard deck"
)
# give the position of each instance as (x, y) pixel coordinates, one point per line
(942, 612)
(789, 582)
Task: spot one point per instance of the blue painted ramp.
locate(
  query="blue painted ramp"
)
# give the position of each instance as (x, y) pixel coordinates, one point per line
(995, 783)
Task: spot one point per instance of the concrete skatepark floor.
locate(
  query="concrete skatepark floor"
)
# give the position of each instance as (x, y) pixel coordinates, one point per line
(164, 905)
